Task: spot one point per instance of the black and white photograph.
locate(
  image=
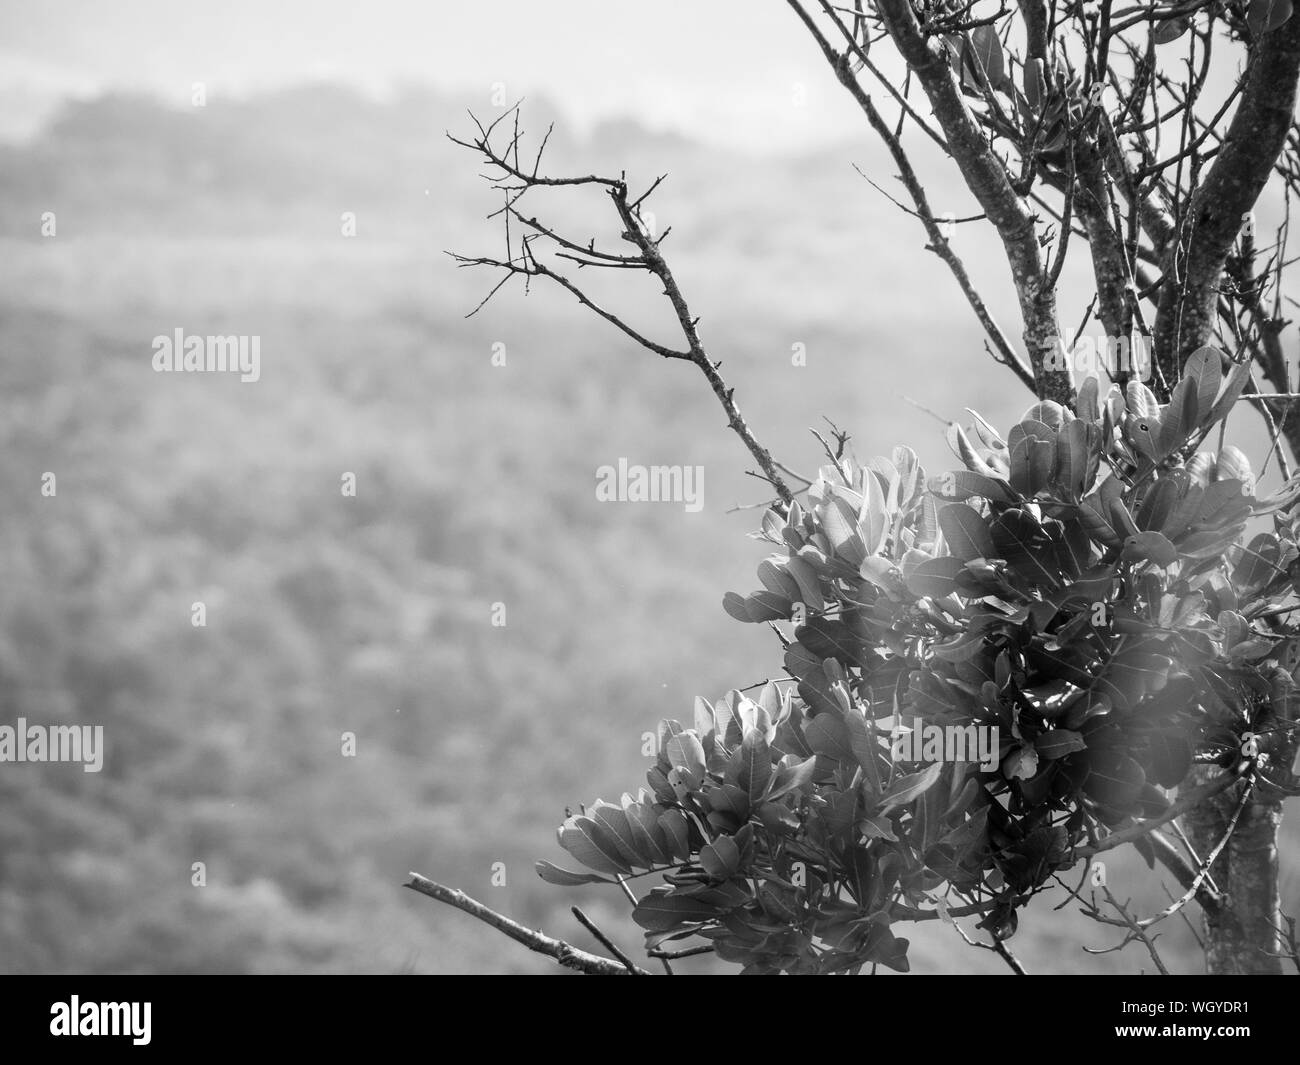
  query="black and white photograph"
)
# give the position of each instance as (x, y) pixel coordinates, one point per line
(716, 487)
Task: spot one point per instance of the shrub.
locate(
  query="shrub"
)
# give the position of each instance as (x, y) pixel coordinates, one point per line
(1081, 586)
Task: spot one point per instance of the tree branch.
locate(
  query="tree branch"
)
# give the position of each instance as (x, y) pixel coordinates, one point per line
(1251, 147)
(1167, 854)
(566, 954)
(514, 181)
(1189, 801)
(989, 182)
(939, 243)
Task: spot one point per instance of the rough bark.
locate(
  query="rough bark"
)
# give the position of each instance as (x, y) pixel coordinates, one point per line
(1256, 136)
(1243, 936)
(990, 184)
(1240, 937)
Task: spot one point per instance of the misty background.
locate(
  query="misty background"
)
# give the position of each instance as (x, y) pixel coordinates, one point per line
(475, 483)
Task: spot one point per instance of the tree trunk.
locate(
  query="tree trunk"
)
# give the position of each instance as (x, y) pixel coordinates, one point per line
(1245, 935)
(1242, 937)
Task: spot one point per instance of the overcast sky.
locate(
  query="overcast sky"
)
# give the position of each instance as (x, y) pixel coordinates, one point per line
(733, 70)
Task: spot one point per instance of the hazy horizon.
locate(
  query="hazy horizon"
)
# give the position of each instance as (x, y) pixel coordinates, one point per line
(768, 92)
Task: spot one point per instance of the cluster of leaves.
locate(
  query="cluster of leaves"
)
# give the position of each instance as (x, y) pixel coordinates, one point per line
(1081, 586)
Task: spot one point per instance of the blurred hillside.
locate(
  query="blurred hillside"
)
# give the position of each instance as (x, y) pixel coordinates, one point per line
(371, 615)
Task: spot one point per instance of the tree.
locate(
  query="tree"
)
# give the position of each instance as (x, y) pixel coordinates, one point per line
(1101, 592)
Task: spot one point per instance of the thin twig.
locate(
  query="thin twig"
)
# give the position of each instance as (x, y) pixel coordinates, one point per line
(605, 941)
(565, 953)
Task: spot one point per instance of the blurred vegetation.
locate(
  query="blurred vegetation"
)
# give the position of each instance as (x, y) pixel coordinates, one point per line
(372, 614)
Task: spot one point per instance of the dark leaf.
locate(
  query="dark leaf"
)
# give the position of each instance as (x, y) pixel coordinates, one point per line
(1204, 367)
(1032, 462)
(965, 531)
(1237, 379)
(721, 858)
(1171, 29)
(988, 52)
(1021, 540)
(1114, 780)
(1181, 417)
(1149, 547)
(910, 786)
(828, 735)
(790, 776)
(1086, 404)
(1258, 564)
(866, 746)
(644, 824)
(823, 694)
(935, 577)
(676, 831)
(1058, 742)
(1097, 516)
(809, 586)
(835, 638)
(1263, 16)
(659, 912)
(965, 450)
(1000, 922)
(884, 948)
(1072, 459)
(553, 874)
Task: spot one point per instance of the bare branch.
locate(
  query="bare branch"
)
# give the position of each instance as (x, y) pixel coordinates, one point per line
(515, 181)
(997, 946)
(1200, 884)
(939, 243)
(1136, 931)
(566, 954)
(605, 941)
(1185, 802)
(987, 178)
